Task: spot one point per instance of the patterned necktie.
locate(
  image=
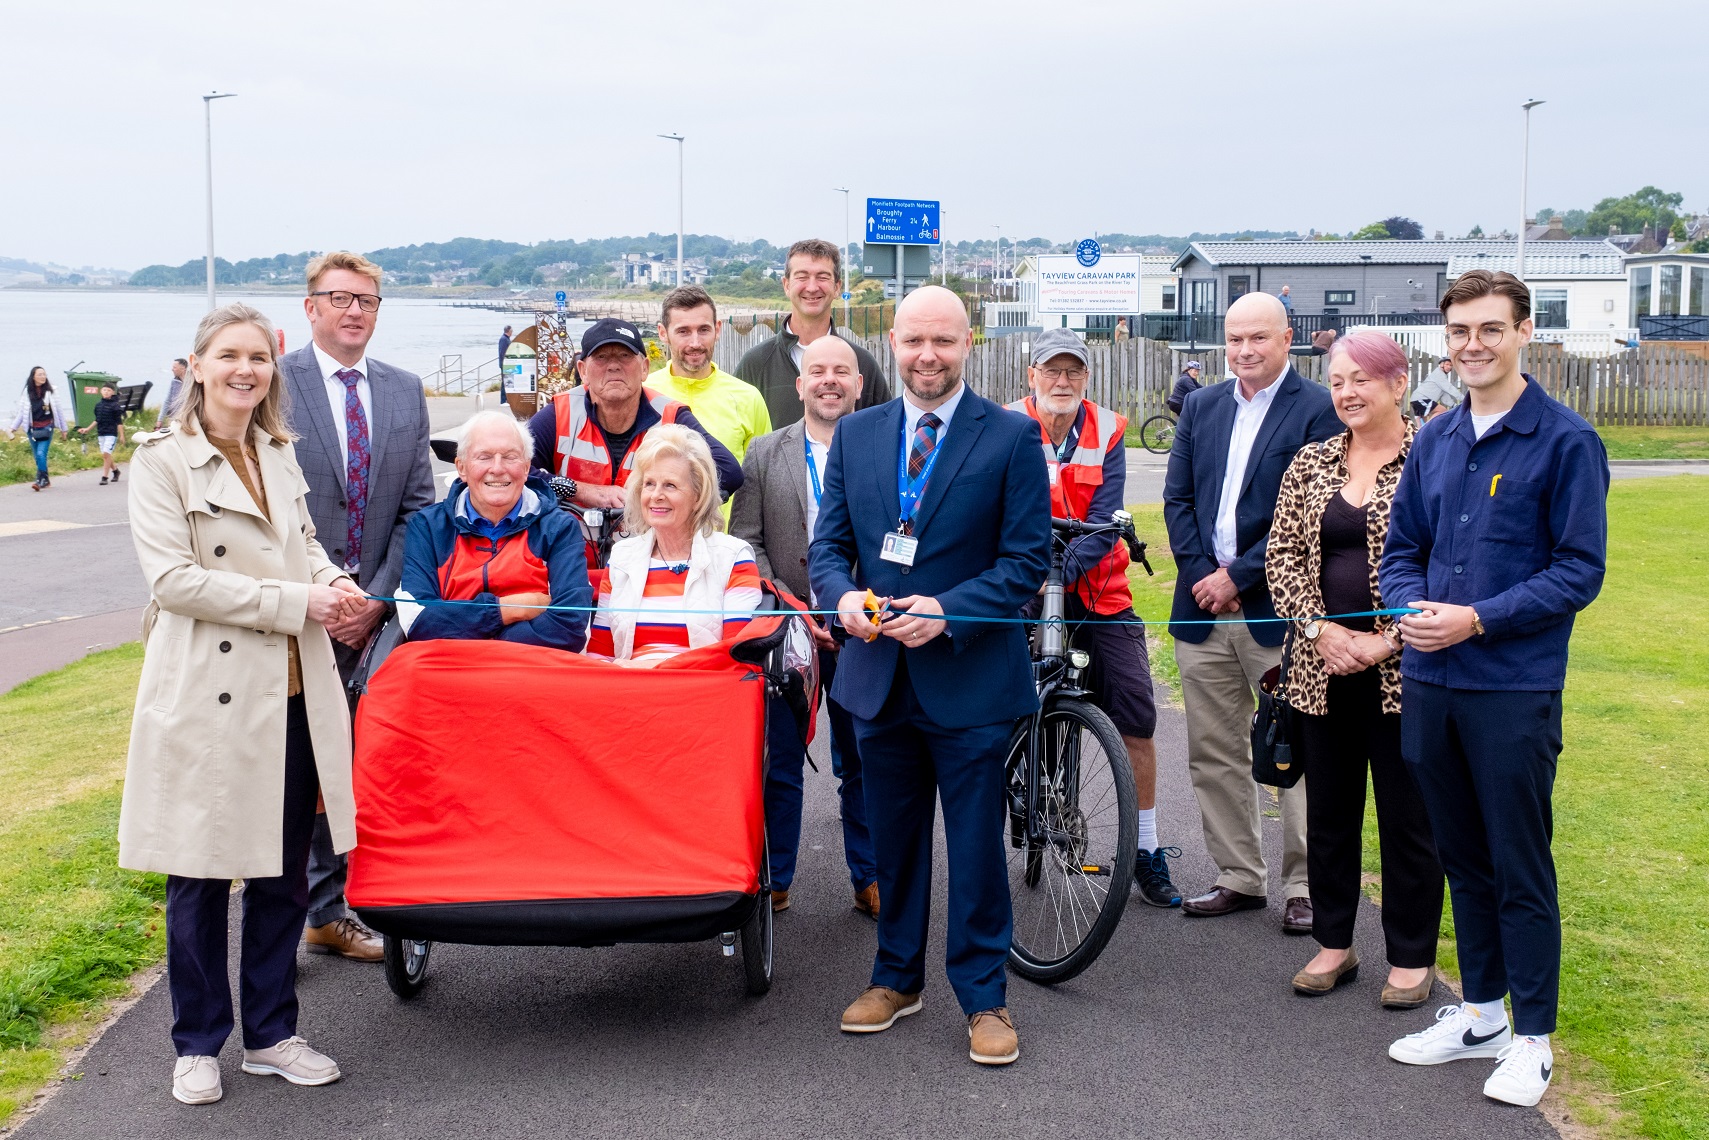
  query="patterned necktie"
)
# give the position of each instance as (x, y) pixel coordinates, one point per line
(925, 441)
(356, 467)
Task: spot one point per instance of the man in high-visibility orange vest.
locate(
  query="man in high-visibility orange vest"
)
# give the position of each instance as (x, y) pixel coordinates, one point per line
(1086, 455)
(589, 434)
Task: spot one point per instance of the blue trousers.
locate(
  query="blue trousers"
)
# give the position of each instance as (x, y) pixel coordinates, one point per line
(273, 909)
(785, 787)
(1485, 764)
(39, 448)
(910, 762)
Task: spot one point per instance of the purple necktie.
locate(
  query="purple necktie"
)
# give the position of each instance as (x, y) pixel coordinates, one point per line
(356, 467)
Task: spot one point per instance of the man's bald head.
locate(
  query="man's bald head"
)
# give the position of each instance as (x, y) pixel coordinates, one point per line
(829, 384)
(1257, 335)
(931, 341)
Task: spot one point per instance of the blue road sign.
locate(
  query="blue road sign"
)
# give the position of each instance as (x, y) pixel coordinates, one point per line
(563, 300)
(901, 221)
(847, 295)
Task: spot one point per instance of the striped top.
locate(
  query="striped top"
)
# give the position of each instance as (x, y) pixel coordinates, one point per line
(663, 633)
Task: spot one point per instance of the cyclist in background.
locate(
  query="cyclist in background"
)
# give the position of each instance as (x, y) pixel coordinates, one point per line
(1185, 384)
(1087, 460)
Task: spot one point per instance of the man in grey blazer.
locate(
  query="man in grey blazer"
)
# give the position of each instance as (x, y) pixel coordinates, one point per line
(774, 512)
(362, 442)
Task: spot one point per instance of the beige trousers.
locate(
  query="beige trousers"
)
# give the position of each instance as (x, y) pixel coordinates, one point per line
(1219, 682)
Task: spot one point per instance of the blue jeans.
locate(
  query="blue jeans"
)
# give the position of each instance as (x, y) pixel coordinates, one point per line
(785, 789)
(39, 446)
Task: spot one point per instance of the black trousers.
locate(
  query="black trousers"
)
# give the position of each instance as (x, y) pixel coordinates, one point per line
(273, 910)
(1336, 750)
(1485, 762)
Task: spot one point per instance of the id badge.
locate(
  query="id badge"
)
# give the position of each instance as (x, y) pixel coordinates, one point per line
(899, 547)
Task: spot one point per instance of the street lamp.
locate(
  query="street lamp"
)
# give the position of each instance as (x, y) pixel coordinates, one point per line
(843, 190)
(997, 261)
(678, 140)
(1524, 185)
(208, 123)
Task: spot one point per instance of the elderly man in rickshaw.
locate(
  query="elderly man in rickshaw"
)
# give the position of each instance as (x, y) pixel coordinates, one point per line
(499, 539)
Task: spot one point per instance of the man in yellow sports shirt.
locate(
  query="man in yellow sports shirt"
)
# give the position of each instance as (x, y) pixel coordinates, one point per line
(732, 410)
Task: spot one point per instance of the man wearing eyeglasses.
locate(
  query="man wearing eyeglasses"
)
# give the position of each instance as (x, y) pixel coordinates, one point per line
(362, 442)
(1499, 535)
(1086, 455)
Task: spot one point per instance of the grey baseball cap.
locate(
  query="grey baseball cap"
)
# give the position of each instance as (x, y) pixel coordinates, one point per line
(1056, 342)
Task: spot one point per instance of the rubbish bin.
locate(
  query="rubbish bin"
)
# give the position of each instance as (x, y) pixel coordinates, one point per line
(86, 393)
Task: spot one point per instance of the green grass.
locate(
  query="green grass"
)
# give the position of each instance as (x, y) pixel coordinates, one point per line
(1632, 825)
(73, 926)
(1152, 595)
(1656, 442)
(18, 463)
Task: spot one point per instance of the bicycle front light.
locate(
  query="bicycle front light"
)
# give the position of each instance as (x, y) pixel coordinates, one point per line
(1079, 658)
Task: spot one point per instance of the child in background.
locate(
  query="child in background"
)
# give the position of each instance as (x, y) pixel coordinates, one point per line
(109, 428)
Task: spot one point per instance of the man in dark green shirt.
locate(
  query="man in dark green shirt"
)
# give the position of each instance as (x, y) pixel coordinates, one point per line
(812, 272)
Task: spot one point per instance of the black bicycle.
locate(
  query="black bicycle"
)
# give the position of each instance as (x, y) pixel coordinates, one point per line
(1072, 823)
(1157, 434)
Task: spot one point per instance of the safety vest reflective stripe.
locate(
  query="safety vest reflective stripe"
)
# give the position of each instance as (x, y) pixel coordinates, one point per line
(581, 453)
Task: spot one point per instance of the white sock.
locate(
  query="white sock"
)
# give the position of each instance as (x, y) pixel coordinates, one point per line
(1493, 1012)
(1147, 829)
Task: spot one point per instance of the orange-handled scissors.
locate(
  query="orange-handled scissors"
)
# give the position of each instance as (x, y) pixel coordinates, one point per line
(877, 607)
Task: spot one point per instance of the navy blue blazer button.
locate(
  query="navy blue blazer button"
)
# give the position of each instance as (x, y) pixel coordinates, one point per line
(1465, 518)
(225, 698)
(1471, 467)
(1459, 569)
(905, 569)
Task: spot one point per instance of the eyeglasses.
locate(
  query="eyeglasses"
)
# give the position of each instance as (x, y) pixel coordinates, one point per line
(1490, 336)
(340, 299)
(1074, 374)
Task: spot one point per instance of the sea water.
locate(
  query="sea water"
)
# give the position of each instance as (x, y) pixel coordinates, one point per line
(136, 335)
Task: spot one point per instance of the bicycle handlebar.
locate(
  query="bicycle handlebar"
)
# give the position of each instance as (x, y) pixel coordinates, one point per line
(1121, 524)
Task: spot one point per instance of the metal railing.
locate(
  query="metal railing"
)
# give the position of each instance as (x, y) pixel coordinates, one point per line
(1673, 328)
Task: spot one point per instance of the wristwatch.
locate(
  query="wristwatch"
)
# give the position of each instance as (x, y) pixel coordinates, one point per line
(1312, 628)
(1477, 624)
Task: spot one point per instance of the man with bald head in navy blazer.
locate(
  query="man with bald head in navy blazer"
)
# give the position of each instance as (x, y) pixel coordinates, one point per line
(942, 501)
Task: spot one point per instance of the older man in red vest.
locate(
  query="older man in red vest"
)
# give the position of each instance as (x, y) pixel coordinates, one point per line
(590, 433)
(1086, 455)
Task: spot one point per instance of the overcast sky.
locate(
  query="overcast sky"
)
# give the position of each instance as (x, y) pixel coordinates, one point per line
(368, 124)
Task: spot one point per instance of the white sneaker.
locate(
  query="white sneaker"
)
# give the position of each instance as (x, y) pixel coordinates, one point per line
(1523, 1075)
(196, 1080)
(1459, 1033)
(294, 1060)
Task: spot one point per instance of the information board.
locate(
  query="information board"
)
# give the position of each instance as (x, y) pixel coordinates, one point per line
(1109, 286)
(901, 221)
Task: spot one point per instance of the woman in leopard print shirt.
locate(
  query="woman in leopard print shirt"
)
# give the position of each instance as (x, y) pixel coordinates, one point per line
(1332, 517)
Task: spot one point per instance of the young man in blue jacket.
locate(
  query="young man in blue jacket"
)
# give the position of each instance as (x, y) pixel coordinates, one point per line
(1498, 535)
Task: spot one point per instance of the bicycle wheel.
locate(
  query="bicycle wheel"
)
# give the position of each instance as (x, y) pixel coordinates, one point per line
(1157, 434)
(1069, 881)
(406, 964)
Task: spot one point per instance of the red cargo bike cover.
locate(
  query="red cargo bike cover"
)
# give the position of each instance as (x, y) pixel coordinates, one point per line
(488, 772)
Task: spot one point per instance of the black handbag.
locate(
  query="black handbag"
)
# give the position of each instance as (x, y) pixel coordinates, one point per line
(1274, 727)
(40, 433)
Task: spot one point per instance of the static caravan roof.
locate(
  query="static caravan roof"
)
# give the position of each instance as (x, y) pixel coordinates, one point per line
(1543, 259)
(1388, 252)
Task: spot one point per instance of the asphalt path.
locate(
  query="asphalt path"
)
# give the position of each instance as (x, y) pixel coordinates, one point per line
(1185, 1028)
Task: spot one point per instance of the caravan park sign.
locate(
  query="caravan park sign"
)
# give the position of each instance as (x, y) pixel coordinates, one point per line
(1109, 285)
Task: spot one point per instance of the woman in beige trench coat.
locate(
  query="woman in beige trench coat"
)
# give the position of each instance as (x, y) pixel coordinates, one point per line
(240, 718)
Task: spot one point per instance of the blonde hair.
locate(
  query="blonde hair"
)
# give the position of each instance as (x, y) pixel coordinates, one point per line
(272, 415)
(342, 259)
(673, 441)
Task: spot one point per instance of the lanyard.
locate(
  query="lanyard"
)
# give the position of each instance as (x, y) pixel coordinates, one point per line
(909, 490)
(812, 468)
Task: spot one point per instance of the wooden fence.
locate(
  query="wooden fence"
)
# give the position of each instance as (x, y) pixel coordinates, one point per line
(1650, 385)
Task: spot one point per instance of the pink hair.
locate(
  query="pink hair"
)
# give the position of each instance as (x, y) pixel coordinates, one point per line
(1375, 354)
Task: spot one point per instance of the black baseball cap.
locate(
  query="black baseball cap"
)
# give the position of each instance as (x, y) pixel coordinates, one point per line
(609, 330)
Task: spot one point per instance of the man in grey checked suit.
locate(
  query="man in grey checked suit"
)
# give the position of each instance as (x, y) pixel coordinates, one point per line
(360, 423)
(774, 512)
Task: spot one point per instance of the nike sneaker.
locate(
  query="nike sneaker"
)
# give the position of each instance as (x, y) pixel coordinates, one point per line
(1523, 1075)
(1459, 1033)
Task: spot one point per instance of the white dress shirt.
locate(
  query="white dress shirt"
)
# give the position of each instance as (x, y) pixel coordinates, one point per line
(911, 414)
(821, 460)
(1248, 418)
(335, 392)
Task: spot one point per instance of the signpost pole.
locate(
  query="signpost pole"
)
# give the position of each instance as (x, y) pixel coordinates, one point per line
(901, 257)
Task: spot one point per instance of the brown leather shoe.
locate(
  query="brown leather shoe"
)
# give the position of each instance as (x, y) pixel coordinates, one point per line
(779, 900)
(991, 1037)
(347, 938)
(866, 900)
(1396, 998)
(1219, 901)
(1296, 916)
(1313, 985)
(877, 1008)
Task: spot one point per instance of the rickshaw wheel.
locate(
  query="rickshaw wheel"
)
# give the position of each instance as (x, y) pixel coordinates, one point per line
(406, 964)
(757, 946)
